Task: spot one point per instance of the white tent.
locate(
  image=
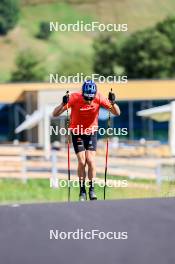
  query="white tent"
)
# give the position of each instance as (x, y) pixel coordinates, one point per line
(34, 119)
(31, 121)
(162, 114)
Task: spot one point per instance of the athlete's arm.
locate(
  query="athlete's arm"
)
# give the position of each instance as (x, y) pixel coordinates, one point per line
(61, 108)
(110, 104)
(58, 110)
(115, 110)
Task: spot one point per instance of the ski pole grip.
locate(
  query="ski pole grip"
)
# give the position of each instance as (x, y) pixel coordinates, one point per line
(67, 94)
(110, 92)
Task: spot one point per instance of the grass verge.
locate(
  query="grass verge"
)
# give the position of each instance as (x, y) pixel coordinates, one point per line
(38, 190)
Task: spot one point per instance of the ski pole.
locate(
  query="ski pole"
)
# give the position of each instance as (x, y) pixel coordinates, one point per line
(107, 151)
(68, 150)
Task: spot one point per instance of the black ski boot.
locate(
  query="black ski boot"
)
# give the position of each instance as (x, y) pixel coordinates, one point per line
(82, 195)
(92, 195)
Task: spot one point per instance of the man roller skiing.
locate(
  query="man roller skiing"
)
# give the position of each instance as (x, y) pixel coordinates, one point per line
(85, 107)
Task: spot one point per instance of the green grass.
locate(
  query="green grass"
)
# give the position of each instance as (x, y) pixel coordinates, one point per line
(14, 191)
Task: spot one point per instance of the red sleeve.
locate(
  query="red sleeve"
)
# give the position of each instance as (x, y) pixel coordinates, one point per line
(104, 102)
(71, 102)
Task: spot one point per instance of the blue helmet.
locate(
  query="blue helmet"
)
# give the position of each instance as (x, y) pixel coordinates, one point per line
(89, 90)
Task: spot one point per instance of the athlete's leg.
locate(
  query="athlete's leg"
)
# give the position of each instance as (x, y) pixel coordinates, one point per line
(82, 175)
(81, 165)
(80, 152)
(90, 143)
(90, 159)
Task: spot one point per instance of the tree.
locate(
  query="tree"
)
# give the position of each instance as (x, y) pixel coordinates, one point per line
(167, 27)
(44, 30)
(105, 55)
(144, 54)
(9, 14)
(29, 68)
(148, 54)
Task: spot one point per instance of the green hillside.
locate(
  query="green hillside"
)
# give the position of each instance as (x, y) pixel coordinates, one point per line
(69, 46)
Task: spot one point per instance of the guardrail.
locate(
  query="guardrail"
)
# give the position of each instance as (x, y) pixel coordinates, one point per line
(26, 162)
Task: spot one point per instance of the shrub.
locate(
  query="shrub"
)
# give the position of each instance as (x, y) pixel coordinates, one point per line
(9, 14)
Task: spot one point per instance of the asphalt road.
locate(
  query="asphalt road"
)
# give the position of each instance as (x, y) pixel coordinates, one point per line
(26, 232)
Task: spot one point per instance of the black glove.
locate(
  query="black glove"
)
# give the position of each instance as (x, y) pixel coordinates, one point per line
(65, 99)
(111, 98)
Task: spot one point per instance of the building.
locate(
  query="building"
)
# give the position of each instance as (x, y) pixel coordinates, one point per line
(21, 100)
(164, 113)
